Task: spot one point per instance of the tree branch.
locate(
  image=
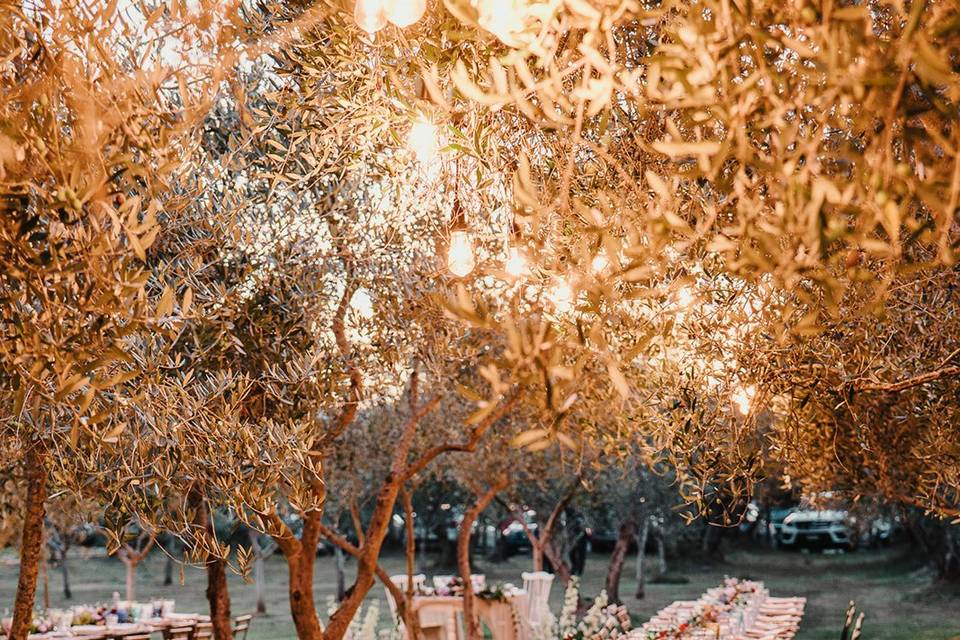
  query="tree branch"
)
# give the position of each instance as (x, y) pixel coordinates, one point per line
(916, 381)
(284, 538)
(475, 435)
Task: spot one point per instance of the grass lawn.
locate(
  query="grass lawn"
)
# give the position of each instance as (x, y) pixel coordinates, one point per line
(896, 595)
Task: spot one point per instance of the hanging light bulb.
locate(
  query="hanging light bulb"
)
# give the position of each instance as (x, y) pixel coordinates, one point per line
(362, 303)
(562, 296)
(685, 298)
(404, 13)
(502, 18)
(371, 15)
(743, 398)
(460, 258)
(516, 264)
(423, 140)
(599, 263)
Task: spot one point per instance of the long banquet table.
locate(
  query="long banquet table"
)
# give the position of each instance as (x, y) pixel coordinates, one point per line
(119, 630)
(736, 610)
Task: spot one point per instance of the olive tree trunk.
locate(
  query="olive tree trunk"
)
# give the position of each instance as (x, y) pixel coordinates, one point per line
(31, 545)
(626, 535)
(641, 550)
(470, 619)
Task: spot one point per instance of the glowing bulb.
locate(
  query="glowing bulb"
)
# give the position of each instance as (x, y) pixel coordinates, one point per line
(460, 259)
(502, 18)
(516, 264)
(599, 263)
(362, 304)
(371, 15)
(685, 298)
(423, 141)
(743, 398)
(562, 296)
(404, 13)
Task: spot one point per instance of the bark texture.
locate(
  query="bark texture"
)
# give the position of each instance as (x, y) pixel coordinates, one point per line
(31, 545)
(625, 535)
(641, 552)
(470, 618)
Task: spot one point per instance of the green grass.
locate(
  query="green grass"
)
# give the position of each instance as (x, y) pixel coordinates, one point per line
(898, 597)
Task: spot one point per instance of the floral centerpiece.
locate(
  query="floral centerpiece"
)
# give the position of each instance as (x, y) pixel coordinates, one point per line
(602, 621)
(733, 605)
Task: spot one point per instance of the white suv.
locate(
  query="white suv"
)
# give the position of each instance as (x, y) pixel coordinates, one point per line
(815, 529)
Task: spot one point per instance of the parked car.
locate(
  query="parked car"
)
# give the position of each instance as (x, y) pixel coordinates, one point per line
(775, 525)
(602, 540)
(815, 529)
(515, 539)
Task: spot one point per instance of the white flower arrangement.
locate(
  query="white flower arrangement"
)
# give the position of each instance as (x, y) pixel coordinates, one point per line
(364, 624)
(602, 621)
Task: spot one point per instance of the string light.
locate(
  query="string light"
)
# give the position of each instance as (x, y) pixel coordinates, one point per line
(423, 140)
(516, 264)
(362, 304)
(743, 398)
(685, 298)
(404, 13)
(460, 260)
(502, 18)
(371, 15)
(562, 296)
(599, 263)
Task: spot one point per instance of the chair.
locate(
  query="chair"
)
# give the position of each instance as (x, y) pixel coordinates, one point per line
(441, 582)
(177, 633)
(537, 585)
(419, 581)
(479, 581)
(241, 625)
(202, 631)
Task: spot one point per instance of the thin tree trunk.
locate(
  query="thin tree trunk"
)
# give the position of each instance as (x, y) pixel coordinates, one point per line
(259, 583)
(131, 566)
(470, 619)
(561, 568)
(218, 594)
(627, 533)
(542, 545)
(641, 551)
(411, 540)
(536, 556)
(302, 608)
(45, 568)
(168, 567)
(259, 568)
(65, 572)
(341, 575)
(711, 543)
(31, 544)
(219, 598)
(661, 554)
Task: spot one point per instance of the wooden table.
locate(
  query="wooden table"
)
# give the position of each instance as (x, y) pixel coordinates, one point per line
(151, 625)
(439, 616)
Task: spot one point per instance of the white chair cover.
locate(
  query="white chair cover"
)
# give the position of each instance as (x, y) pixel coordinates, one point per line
(537, 585)
(440, 582)
(479, 581)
